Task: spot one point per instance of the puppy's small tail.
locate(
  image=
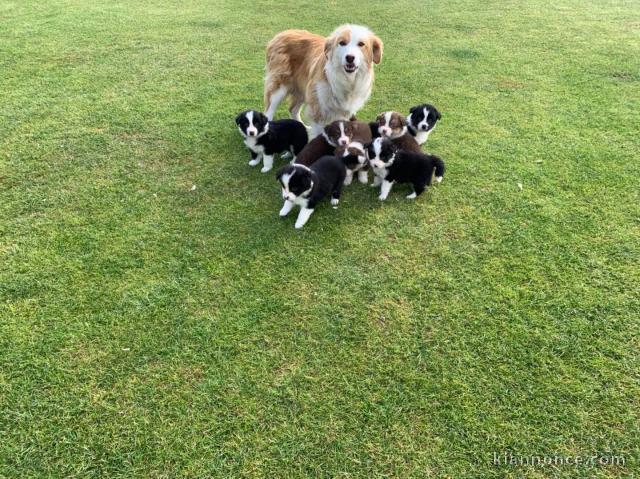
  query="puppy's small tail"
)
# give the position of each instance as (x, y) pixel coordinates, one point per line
(439, 168)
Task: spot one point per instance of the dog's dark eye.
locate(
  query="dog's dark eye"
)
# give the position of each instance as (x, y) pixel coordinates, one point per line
(361, 44)
(342, 43)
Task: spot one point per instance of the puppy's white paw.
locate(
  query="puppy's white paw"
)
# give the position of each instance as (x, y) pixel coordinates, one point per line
(411, 196)
(439, 179)
(382, 197)
(265, 169)
(286, 155)
(254, 162)
(348, 180)
(363, 178)
(334, 201)
(298, 225)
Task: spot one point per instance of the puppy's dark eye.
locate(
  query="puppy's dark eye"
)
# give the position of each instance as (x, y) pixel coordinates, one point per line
(342, 43)
(361, 44)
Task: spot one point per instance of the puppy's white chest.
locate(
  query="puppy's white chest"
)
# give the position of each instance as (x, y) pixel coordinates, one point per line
(252, 144)
(421, 136)
(381, 172)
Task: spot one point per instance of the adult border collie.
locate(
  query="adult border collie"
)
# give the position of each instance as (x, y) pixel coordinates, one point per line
(332, 76)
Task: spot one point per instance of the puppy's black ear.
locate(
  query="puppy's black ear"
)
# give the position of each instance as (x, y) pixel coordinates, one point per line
(413, 110)
(259, 116)
(239, 117)
(280, 172)
(438, 115)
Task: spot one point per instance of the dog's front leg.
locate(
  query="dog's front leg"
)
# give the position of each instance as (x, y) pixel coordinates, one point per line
(376, 181)
(363, 177)
(286, 208)
(255, 158)
(385, 189)
(348, 178)
(303, 217)
(268, 163)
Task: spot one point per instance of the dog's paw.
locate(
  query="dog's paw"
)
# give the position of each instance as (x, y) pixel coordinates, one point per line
(298, 225)
(439, 179)
(265, 169)
(254, 162)
(334, 201)
(286, 155)
(411, 196)
(382, 197)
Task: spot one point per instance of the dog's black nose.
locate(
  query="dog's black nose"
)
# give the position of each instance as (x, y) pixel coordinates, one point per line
(350, 58)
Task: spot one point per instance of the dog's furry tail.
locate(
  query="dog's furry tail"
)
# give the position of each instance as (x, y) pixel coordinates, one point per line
(439, 168)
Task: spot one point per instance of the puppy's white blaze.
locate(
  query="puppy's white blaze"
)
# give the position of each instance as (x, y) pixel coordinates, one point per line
(424, 122)
(251, 129)
(385, 129)
(344, 139)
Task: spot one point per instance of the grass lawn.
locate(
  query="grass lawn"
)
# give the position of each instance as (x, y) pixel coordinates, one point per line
(149, 329)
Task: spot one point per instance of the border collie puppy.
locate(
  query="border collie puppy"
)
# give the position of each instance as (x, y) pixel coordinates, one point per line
(354, 158)
(307, 186)
(392, 165)
(422, 120)
(342, 132)
(312, 151)
(265, 138)
(393, 125)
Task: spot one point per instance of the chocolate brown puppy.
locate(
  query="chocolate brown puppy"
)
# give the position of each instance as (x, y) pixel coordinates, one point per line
(341, 132)
(393, 125)
(314, 150)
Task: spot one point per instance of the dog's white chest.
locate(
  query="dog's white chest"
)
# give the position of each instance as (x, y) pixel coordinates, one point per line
(342, 96)
(301, 201)
(252, 144)
(421, 136)
(381, 172)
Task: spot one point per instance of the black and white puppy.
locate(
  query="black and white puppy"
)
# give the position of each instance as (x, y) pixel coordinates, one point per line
(355, 160)
(307, 186)
(422, 120)
(265, 138)
(392, 165)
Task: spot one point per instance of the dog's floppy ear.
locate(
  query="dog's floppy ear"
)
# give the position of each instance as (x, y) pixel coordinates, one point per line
(376, 48)
(239, 117)
(328, 45)
(402, 120)
(438, 115)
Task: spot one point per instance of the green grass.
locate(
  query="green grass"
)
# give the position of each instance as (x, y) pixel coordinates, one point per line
(148, 330)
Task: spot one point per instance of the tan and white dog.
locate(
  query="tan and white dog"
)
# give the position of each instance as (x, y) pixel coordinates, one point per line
(332, 76)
